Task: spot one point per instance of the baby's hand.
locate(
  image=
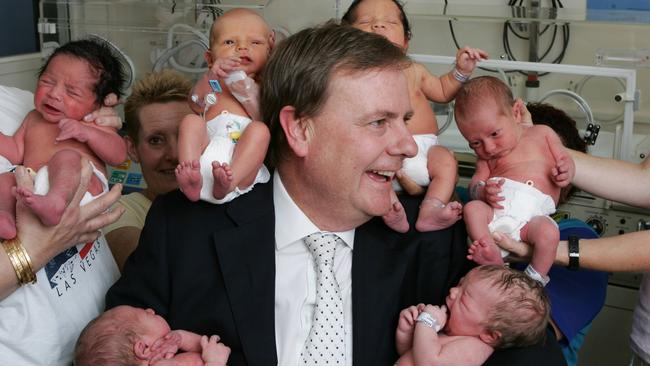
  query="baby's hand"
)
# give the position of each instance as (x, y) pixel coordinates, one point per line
(223, 66)
(165, 347)
(407, 318)
(563, 171)
(467, 57)
(439, 313)
(213, 352)
(492, 192)
(71, 129)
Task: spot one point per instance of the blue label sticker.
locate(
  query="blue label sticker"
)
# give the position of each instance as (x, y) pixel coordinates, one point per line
(214, 84)
(134, 179)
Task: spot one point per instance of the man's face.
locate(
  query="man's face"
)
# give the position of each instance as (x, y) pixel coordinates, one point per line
(381, 17)
(357, 142)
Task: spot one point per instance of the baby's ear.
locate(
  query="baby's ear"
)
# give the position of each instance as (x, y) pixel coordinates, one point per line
(490, 337)
(141, 350)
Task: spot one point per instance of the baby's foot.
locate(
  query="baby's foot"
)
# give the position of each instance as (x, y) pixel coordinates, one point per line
(485, 251)
(7, 225)
(222, 174)
(434, 215)
(188, 176)
(48, 208)
(396, 218)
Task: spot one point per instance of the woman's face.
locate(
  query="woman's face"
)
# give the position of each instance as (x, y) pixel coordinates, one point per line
(156, 148)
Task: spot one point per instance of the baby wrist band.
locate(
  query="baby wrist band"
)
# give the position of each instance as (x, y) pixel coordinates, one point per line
(20, 260)
(462, 78)
(532, 273)
(428, 320)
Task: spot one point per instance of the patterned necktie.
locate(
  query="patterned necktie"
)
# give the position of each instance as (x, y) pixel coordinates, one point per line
(325, 343)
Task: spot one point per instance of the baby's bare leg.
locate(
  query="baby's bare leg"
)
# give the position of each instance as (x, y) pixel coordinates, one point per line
(190, 181)
(64, 174)
(544, 236)
(435, 213)
(192, 141)
(247, 159)
(483, 249)
(7, 206)
(396, 217)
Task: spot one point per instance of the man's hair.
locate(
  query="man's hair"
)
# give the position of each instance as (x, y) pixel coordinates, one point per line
(522, 312)
(565, 127)
(105, 341)
(476, 92)
(350, 16)
(157, 87)
(102, 60)
(301, 68)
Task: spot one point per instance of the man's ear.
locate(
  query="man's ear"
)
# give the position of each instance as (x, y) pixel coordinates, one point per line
(130, 149)
(141, 350)
(271, 40)
(296, 130)
(490, 337)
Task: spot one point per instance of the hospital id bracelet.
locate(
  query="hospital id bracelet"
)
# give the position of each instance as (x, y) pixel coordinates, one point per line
(20, 260)
(428, 320)
(574, 252)
(462, 78)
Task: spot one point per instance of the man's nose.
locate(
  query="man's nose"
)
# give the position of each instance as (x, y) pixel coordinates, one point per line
(404, 144)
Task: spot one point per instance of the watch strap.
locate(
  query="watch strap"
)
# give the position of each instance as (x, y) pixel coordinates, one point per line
(574, 252)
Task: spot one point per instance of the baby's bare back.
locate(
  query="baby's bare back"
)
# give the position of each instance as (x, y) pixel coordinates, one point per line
(531, 160)
(40, 144)
(423, 120)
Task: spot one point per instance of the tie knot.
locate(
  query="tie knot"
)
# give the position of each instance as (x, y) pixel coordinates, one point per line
(322, 246)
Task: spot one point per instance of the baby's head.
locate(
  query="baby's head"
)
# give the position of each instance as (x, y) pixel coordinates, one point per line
(120, 336)
(384, 17)
(487, 116)
(76, 78)
(502, 306)
(242, 33)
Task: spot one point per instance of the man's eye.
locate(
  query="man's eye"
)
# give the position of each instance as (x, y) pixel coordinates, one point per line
(378, 123)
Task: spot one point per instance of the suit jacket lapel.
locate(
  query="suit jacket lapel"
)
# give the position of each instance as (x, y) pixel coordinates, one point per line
(247, 260)
(377, 272)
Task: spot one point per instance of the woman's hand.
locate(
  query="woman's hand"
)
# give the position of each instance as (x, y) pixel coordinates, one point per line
(77, 225)
(106, 114)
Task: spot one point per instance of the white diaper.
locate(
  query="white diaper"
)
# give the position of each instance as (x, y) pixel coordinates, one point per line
(5, 165)
(416, 167)
(521, 203)
(42, 184)
(224, 131)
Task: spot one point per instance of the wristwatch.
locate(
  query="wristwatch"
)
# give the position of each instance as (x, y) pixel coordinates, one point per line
(428, 320)
(574, 252)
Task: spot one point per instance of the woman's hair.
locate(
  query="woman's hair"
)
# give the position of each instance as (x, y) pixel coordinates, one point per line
(102, 60)
(521, 314)
(350, 16)
(157, 87)
(301, 67)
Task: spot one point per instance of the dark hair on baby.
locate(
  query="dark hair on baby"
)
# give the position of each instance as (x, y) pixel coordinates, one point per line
(350, 16)
(102, 60)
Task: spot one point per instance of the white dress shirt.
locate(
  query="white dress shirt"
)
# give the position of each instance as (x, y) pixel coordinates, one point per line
(295, 278)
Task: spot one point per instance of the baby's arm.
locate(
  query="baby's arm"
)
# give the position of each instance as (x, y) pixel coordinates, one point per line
(13, 147)
(405, 328)
(219, 70)
(483, 188)
(564, 169)
(444, 89)
(428, 349)
(105, 142)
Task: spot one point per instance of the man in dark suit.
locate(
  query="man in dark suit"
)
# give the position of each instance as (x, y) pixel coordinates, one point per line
(337, 104)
